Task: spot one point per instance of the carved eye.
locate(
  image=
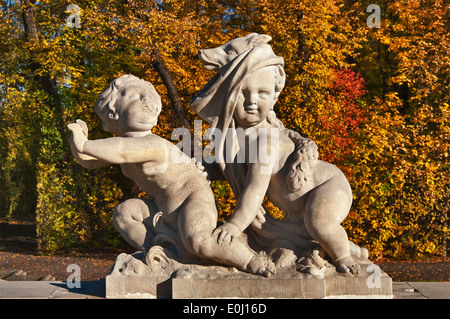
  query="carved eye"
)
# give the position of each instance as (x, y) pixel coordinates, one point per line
(263, 94)
(230, 50)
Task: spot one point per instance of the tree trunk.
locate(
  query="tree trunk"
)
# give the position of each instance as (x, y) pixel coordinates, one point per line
(29, 21)
(164, 73)
(46, 83)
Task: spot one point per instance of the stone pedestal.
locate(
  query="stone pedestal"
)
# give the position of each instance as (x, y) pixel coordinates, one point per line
(198, 282)
(297, 288)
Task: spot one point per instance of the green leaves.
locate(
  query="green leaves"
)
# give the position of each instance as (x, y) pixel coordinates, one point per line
(374, 100)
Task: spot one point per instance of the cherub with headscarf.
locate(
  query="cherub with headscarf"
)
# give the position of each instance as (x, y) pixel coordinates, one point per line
(238, 103)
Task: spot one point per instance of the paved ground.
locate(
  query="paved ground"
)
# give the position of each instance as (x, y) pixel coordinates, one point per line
(96, 290)
(51, 290)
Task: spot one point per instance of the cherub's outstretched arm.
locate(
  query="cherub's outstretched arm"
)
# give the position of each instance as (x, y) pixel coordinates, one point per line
(118, 150)
(86, 161)
(123, 150)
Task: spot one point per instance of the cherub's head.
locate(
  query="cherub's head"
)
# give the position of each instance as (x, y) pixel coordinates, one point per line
(129, 104)
(258, 94)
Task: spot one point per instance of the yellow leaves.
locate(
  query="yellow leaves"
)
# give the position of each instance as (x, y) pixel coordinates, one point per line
(399, 161)
(273, 210)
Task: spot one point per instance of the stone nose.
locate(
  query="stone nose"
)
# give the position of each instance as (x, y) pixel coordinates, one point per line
(252, 98)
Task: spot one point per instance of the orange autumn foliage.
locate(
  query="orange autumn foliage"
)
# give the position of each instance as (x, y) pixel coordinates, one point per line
(374, 100)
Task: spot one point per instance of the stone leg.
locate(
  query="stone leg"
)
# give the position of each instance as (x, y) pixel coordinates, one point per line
(196, 222)
(129, 219)
(326, 208)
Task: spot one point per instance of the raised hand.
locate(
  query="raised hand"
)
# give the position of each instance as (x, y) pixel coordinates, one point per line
(79, 134)
(83, 126)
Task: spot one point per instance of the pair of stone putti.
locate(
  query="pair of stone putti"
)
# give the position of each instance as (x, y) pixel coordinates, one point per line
(182, 216)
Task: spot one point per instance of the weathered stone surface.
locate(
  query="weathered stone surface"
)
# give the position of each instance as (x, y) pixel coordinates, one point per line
(180, 281)
(185, 252)
(284, 285)
(135, 286)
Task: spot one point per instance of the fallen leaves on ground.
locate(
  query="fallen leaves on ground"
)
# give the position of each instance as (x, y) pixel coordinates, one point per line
(92, 267)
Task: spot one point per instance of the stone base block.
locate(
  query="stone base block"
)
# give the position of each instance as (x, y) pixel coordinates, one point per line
(372, 282)
(306, 287)
(138, 286)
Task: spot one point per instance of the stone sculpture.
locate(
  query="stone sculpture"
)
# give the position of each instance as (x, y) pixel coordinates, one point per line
(183, 213)
(176, 233)
(314, 193)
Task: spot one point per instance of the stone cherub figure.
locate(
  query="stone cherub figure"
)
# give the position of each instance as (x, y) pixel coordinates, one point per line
(183, 214)
(316, 194)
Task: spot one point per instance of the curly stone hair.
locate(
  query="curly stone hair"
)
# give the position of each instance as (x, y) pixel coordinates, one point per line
(106, 101)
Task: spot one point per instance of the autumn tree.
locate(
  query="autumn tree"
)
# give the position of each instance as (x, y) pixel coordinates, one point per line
(401, 197)
(375, 100)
